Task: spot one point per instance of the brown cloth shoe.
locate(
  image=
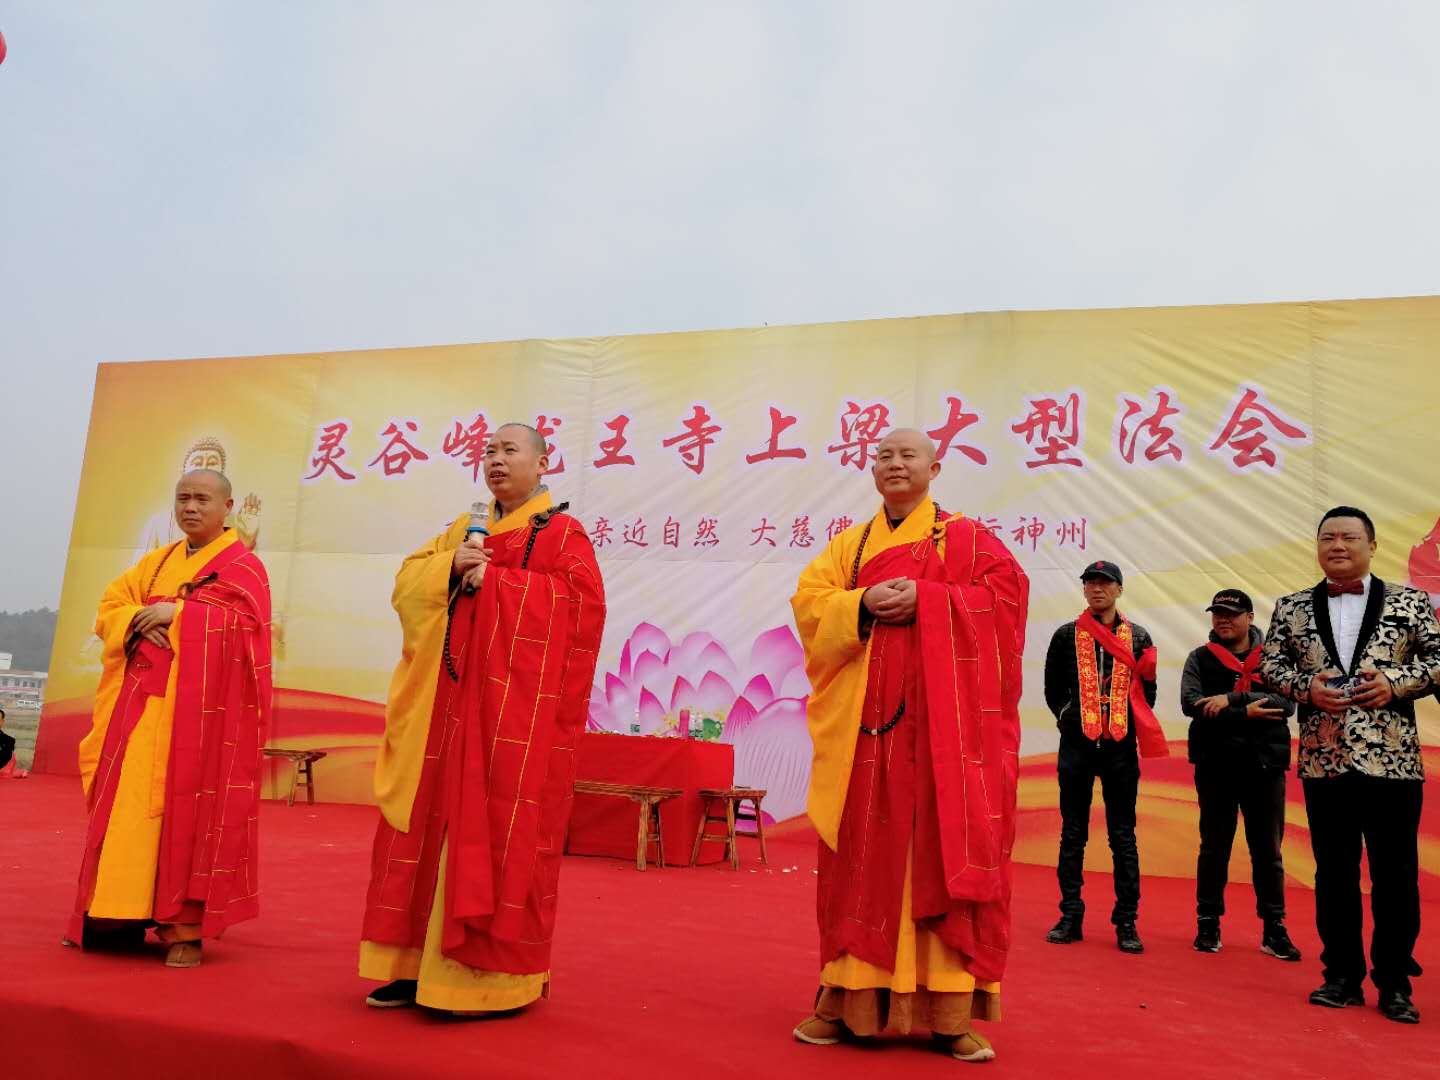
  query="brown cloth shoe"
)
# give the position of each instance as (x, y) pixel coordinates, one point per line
(972, 1047)
(183, 954)
(819, 1032)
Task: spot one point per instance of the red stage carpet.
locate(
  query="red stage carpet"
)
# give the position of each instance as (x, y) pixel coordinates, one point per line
(687, 973)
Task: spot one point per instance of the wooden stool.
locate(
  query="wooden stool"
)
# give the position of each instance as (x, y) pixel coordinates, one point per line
(649, 800)
(733, 799)
(303, 760)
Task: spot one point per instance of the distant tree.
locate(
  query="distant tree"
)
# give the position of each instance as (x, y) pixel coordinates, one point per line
(28, 636)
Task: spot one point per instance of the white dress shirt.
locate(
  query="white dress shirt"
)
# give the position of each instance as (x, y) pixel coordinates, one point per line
(1347, 612)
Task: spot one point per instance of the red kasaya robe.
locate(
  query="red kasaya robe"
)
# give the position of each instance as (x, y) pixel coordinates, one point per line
(208, 868)
(942, 781)
(497, 783)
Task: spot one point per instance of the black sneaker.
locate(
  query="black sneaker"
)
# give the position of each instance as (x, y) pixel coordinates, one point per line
(395, 995)
(1066, 931)
(1207, 935)
(1128, 938)
(1336, 995)
(1277, 942)
(1396, 1005)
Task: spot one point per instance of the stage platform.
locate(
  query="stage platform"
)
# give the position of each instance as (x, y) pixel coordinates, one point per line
(685, 973)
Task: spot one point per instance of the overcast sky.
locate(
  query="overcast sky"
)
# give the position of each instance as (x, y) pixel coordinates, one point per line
(193, 179)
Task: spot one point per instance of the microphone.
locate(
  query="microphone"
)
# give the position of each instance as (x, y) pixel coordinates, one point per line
(479, 514)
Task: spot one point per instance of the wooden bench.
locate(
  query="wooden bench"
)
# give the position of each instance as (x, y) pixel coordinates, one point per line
(733, 800)
(649, 800)
(303, 774)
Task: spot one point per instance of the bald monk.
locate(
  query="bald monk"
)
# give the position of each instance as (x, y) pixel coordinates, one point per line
(476, 773)
(204, 453)
(913, 624)
(171, 767)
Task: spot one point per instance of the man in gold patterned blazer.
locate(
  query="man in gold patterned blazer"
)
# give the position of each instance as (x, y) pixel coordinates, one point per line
(1355, 652)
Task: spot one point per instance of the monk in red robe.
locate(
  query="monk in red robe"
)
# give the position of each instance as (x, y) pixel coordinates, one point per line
(171, 767)
(913, 624)
(501, 616)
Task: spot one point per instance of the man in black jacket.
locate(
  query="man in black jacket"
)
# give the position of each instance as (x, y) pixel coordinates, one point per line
(1240, 747)
(1088, 691)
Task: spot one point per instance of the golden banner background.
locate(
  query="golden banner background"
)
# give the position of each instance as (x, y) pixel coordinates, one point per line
(1279, 412)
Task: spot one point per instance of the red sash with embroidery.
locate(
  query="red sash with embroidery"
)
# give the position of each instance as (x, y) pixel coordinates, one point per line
(1147, 728)
(1245, 670)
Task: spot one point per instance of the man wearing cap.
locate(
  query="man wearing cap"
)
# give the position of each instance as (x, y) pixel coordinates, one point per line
(1240, 747)
(1100, 684)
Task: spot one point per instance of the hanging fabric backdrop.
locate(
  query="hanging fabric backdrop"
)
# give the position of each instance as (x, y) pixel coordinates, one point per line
(1194, 446)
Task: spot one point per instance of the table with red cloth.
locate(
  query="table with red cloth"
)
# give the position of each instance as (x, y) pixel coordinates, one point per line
(605, 825)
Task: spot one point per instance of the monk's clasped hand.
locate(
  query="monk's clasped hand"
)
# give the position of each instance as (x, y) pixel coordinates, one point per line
(895, 603)
(153, 621)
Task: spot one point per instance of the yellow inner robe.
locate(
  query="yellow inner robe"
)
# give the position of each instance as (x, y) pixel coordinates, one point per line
(125, 879)
(422, 591)
(827, 612)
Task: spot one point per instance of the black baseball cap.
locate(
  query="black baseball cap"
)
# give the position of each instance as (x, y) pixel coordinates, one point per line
(1103, 569)
(1232, 600)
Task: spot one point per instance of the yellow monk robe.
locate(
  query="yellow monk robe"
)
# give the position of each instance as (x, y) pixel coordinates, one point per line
(412, 763)
(125, 876)
(827, 608)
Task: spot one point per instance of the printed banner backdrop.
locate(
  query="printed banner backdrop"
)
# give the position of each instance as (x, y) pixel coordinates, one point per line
(1194, 446)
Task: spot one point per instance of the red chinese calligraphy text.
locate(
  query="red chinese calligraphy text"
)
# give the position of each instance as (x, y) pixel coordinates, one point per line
(954, 424)
(634, 533)
(1052, 429)
(860, 429)
(705, 534)
(329, 449)
(691, 443)
(1030, 530)
(398, 452)
(466, 443)
(773, 451)
(1132, 425)
(1249, 429)
(612, 446)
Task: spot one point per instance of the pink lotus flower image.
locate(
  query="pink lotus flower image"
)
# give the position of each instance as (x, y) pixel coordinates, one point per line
(760, 706)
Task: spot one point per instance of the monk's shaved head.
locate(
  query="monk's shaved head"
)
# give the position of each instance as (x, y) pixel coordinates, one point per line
(905, 463)
(219, 479)
(537, 441)
(515, 463)
(912, 438)
(202, 502)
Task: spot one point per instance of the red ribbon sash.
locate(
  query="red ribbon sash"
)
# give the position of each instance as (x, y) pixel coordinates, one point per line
(1245, 670)
(1147, 728)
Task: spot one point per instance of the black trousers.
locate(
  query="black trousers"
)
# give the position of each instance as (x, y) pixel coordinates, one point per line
(1346, 812)
(1117, 766)
(1226, 792)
